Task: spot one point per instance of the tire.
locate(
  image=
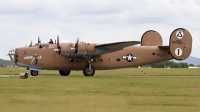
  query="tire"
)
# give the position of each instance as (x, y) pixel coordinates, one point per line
(86, 71)
(64, 72)
(34, 72)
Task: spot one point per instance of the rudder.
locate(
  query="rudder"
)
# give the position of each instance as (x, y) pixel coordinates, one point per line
(180, 44)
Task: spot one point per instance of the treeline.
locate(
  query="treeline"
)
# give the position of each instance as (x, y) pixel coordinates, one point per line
(5, 62)
(170, 64)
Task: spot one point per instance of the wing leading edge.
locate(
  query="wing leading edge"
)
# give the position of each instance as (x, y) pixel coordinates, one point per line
(101, 49)
(117, 45)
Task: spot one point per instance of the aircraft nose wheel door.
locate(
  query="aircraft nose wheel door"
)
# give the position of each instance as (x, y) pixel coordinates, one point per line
(88, 70)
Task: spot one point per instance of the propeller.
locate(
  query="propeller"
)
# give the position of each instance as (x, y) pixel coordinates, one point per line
(39, 41)
(76, 46)
(58, 46)
(30, 44)
(57, 41)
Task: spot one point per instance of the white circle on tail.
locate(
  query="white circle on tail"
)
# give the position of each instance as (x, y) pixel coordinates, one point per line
(178, 51)
(179, 34)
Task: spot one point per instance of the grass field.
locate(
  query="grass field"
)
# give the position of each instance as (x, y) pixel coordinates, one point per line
(123, 90)
(117, 72)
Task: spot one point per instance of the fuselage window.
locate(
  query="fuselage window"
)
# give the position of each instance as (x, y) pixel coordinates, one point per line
(94, 60)
(110, 59)
(100, 60)
(40, 46)
(51, 46)
(118, 59)
(77, 60)
(71, 60)
(24, 52)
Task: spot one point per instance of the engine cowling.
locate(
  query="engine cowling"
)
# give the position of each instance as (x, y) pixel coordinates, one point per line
(84, 49)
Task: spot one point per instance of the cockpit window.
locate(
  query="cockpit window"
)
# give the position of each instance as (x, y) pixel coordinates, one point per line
(45, 46)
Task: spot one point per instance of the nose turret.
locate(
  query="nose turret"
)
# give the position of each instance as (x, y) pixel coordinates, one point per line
(13, 54)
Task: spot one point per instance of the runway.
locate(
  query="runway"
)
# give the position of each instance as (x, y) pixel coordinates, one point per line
(128, 76)
(9, 75)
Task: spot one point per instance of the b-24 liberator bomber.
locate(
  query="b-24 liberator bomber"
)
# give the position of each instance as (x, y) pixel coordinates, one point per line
(89, 57)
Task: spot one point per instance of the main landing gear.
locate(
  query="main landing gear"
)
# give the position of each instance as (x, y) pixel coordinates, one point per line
(89, 70)
(64, 72)
(34, 72)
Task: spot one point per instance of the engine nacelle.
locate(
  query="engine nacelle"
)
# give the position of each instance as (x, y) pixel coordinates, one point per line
(83, 49)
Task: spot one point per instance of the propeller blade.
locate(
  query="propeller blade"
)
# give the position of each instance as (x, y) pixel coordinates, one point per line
(58, 46)
(76, 46)
(57, 41)
(30, 44)
(39, 41)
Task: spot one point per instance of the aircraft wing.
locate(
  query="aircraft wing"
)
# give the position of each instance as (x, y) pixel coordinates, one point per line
(101, 49)
(117, 45)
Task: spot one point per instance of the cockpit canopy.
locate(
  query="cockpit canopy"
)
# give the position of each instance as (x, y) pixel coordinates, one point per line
(43, 45)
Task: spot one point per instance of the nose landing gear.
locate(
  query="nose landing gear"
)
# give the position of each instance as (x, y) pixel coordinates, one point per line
(34, 72)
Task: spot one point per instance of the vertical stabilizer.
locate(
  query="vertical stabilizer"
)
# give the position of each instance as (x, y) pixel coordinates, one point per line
(151, 38)
(180, 44)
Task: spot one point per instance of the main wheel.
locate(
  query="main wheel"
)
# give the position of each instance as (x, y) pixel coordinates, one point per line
(88, 72)
(34, 72)
(64, 72)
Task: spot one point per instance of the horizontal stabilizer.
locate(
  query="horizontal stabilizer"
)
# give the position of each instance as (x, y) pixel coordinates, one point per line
(164, 47)
(117, 45)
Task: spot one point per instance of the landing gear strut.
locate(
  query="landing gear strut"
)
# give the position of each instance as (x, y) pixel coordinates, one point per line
(88, 70)
(64, 72)
(34, 73)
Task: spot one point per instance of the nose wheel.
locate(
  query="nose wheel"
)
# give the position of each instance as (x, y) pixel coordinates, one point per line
(34, 73)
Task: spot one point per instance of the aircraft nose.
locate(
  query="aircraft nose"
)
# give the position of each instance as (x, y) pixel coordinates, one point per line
(13, 54)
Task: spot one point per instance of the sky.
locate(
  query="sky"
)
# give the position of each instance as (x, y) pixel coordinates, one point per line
(94, 21)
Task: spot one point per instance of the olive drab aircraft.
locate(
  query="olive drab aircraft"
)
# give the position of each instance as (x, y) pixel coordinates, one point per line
(89, 57)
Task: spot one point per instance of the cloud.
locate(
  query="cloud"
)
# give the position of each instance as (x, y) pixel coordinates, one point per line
(94, 21)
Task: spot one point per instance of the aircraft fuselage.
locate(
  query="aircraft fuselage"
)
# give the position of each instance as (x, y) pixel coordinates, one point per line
(128, 57)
